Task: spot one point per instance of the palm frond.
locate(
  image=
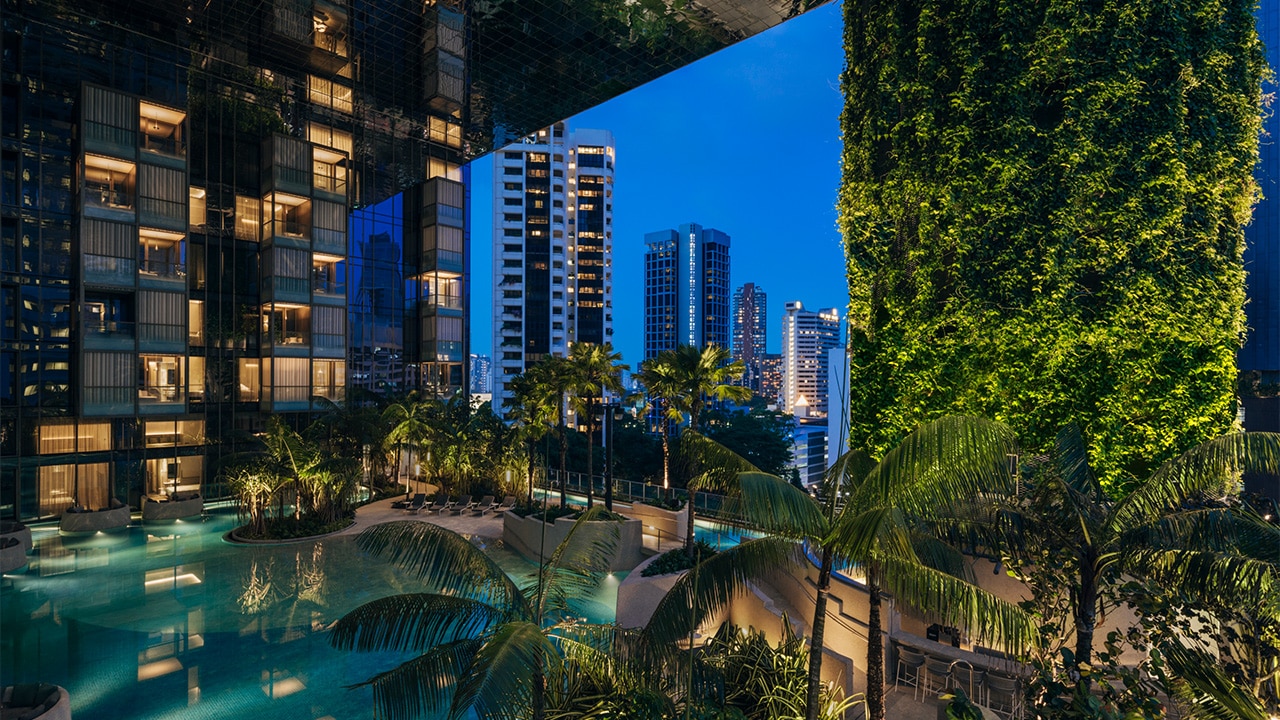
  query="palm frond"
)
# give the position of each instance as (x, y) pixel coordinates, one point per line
(423, 686)
(707, 590)
(987, 618)
(498, 684)
(445, 561)
(1210, 469)
(1203, 689)
(857, 535)
(580, 560)
(1224, 529)
(841, 481)
(1221, 578)
(773, 505)
(942, 463)
(412, 623)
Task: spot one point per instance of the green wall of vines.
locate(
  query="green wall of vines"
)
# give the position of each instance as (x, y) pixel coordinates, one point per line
(1042, 207)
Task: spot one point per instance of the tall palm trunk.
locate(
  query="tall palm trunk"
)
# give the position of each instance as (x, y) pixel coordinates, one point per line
(1086, 613)
(819, 629)
(591, 444)
(564, 478)
(539, 690)
(875, 646)
(688, 532)
(532, 450)
(666, 460)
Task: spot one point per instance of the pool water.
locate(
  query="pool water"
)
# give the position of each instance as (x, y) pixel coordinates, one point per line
(170, 621)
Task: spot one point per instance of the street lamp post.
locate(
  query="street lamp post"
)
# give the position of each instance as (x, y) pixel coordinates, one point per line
(612, 412)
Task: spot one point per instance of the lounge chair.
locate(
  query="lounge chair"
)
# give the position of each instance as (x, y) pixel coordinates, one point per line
(440, 505)
(485, 505)
(508, 503)
(416, 504)
(464, 504)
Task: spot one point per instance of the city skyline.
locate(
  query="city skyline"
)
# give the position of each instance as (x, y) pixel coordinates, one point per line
(709, 123)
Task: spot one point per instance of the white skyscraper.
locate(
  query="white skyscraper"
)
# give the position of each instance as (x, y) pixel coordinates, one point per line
(807, 337)
(552, 248)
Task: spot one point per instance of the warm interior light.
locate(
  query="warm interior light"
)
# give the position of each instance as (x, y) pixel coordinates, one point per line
(158, 668)
(326, 258)
(162, 114)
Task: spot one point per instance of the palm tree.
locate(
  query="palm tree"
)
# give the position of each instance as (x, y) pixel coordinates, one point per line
(596, 370)
(693, 377)
(656, 376)
(1180, 530)
(411, 421)
(534, 411)
(935, 467)
(484, 644)
(558, 374)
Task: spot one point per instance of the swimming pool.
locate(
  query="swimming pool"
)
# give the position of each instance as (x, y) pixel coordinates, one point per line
(170, 621)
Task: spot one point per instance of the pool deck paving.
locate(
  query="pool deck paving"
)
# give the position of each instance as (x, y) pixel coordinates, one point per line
(898, 705)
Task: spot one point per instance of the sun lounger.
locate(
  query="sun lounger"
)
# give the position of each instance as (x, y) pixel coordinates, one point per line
(440, 505)
(508, 503)
(464, 504)
(416, 504)
(485, 505)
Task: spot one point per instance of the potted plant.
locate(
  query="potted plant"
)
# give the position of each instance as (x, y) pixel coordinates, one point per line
(957, 706)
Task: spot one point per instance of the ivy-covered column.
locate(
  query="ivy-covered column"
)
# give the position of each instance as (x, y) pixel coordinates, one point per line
(1042, 207)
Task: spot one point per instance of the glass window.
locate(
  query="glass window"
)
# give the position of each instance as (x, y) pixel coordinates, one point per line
(161, 379)
(109, 184)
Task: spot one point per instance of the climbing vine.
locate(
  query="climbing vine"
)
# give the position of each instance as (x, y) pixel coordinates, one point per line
(1042, 208)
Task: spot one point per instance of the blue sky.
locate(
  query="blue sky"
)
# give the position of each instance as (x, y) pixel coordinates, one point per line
(746, 141)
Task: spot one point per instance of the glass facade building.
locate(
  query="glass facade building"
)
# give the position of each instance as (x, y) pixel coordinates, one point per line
(750, 331)
(686, 289)
(214, 214)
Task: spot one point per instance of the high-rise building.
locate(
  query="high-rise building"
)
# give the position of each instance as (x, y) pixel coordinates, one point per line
(807, 339)
(481, 374)
(179, 257)
(552, 247)
(771, 378)
(686, 289)
(750, 331)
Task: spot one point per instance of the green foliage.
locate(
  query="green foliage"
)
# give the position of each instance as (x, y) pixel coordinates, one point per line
(673, 561)
(543, 512)
(1042, 209)
(759, 435)
(743, 671)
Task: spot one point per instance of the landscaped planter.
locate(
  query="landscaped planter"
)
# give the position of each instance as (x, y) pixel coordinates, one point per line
(16, 530)
(525, 536)
(172, 507)
(638, 596)
(35, 702)
(12, 556)
(87, 523)
(667, 524)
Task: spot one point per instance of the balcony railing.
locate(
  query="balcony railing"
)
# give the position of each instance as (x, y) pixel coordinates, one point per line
(104, 196)
(292, 338)
(287, 228)
(105, 269)
(168, 146)
(162, 269)
(108, 328)
(324, 286)
(161, 394)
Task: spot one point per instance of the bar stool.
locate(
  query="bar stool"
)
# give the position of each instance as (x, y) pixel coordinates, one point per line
(970, 680)
(910, 669)
(937, 674)
(1004, 696)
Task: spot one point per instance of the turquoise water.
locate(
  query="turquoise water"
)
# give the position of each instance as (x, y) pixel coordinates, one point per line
(170, 621)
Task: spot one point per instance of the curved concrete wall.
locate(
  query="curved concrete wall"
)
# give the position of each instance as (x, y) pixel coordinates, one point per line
(525, 536)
